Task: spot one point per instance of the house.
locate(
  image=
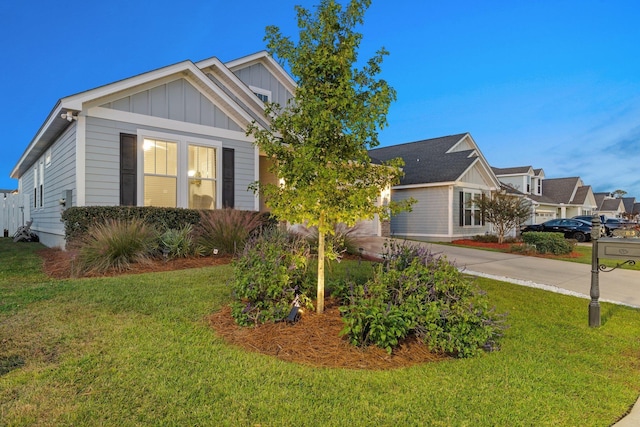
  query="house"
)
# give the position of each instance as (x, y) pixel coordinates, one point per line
(444, 175)
(609, 206)
(551, 198)
(174, 137)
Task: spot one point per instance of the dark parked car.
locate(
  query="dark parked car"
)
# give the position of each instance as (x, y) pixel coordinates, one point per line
(612, 224)
(571, 228)
(589, 219)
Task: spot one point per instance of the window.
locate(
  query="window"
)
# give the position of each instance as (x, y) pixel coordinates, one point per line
(35, 187)
(528, 185)
(160, 173)
(178, 171)
(41, 182)
(47, 158)
(539, 190)
(202, 177)
(262, 94)
(470, 212)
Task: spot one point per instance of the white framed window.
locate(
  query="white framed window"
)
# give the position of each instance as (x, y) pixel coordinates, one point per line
(471, 216)
(179, 171)
(41, 183)
(263, 94)
(35, 187)
(47, 158)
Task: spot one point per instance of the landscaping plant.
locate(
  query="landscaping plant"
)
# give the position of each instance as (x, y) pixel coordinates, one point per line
(548, 243)
(114, 245)
(179, 242)
(269, 275)
(227, 230)
(414, 292)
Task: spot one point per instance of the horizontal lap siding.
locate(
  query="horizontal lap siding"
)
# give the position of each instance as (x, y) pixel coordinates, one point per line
(429, 215)
(103, 162)
(58, 176)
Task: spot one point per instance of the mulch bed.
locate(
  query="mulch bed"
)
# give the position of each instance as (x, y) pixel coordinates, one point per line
(314, 340)
(506, 246)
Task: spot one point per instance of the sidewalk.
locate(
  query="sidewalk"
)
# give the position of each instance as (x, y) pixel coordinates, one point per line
(618, 286)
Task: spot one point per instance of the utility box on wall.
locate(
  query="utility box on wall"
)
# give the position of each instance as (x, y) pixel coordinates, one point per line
(66, 198)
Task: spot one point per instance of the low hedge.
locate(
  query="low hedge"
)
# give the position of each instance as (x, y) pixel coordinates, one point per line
(77, 220)
(546, 242)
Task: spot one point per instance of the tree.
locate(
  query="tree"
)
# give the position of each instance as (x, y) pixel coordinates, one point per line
(619, 194)
(318, 141)
(504, 211)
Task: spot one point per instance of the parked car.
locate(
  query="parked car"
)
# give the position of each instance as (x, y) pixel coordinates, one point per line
(571, 228)
(589, 219)
(612, 224)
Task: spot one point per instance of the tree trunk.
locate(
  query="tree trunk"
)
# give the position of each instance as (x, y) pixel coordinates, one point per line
(320, 295)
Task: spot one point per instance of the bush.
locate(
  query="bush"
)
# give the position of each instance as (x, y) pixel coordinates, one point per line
(492, 238)
(546, 242)
(343, 240)
(114, 245)
(269, 274)
(78, 220)
(179, 243)
(228, 230)
(415, 292)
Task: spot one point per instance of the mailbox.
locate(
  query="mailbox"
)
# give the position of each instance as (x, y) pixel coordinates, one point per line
(619, 248)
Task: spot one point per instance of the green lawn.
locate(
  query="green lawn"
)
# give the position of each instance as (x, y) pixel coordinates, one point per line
(135, 350)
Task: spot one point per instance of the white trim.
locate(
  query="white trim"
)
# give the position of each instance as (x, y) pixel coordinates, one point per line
(81, 158)
(261, 91)
(256, 176)
(450, 209)
(174, 125)
(183, 142)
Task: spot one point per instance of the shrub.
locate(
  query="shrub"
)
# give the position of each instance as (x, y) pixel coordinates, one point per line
(492, 238)
(343, 240)
(179, 242)
(546, 242)
(78, 220)
(416, 292)
(227, 230)
(114, 245)
(269, 274)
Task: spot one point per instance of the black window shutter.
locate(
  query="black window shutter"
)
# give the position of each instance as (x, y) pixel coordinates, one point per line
(228, 177)
(461, 209)
(483, 220)
(128, 170)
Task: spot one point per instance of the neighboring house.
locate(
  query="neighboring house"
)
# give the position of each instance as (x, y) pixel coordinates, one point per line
(444, 175)
(551, 198)
(570, 195)
(629, 204)
(609, 206)
(171, 137)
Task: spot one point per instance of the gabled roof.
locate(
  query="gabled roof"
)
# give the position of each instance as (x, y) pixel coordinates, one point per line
(636, 208)
(436, 160)
(517, 170)
(628, 203)
(612, 205)
(233, 97)
(562, 190)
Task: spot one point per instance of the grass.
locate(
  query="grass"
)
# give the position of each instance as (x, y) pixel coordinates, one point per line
(136, 350)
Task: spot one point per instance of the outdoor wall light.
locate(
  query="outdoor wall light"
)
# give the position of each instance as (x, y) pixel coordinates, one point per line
(69, 116)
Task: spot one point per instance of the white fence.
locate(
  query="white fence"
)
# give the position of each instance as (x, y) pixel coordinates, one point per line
(13, 212)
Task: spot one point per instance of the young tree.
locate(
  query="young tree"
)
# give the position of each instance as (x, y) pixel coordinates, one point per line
(619, 194)
(504, 211)
(318, 142)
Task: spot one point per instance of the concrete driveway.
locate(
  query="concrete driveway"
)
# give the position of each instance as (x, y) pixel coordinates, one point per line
(619, 286)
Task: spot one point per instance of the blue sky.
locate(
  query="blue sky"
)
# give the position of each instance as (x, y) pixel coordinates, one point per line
(553, 84)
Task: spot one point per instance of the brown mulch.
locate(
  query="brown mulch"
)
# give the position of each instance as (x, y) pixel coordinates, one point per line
(314, 340)
(506, 246)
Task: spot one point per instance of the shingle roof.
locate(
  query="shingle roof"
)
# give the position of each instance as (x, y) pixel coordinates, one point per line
(560, 189)
(628, 203)
(610, 204)
(581, 194)
(510, 171)
(427, 161)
